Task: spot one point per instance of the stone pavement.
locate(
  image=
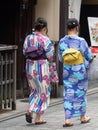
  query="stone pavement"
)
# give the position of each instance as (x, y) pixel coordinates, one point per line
(55, 118)
(21, 104)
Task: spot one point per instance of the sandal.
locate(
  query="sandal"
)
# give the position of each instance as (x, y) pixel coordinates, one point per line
(85, 119)
(40, 122)
(67, 123)
(28, 118)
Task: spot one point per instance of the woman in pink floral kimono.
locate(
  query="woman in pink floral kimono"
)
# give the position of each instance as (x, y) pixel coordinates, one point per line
(38, 50)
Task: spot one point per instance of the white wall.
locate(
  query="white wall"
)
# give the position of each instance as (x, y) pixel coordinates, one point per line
(49, 9)
(74, 9)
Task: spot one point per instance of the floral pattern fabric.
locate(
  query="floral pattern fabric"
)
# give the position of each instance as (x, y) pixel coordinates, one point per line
(38, 73)
(75, 77)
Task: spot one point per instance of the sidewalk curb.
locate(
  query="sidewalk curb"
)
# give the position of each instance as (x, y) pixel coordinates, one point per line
(92, 91)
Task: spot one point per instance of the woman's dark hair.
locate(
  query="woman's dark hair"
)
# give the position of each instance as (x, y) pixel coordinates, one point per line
(72, 23)
(40, 23)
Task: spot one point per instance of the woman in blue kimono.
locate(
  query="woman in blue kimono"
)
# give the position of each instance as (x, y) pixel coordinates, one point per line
(75, 78)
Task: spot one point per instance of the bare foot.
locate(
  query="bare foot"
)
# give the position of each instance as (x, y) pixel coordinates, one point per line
(41, 121)
(67, 123)
(85, 119)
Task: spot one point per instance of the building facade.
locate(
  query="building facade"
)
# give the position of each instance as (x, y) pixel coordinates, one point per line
(17, 17)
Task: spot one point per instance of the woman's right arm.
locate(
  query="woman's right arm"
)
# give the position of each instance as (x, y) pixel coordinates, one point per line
(49, 50)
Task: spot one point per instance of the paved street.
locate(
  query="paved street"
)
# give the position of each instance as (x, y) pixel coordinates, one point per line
(55, 118)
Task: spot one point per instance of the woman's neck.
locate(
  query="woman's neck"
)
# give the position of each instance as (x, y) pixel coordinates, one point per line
(73, 32)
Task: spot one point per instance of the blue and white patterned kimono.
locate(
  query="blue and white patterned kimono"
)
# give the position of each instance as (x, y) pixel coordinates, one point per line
(75, 78)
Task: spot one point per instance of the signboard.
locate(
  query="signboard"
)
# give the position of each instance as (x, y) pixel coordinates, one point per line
(94, 50)
(93, 30)
(93, 70)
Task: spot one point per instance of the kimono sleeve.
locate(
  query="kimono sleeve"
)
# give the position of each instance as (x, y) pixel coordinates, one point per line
(87, 53)
(49, 49)
(62, 46)
(25, 45)
(86, 50)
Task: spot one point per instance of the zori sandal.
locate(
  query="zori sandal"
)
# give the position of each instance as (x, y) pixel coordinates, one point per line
(40, 122)
(85, 119)
(28, 118)
(68, 124)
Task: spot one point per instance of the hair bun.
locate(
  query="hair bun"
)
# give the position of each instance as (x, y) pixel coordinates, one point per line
(40, 23)
(72, 23)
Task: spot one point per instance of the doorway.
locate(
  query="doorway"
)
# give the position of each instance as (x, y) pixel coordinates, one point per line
(15, 23)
